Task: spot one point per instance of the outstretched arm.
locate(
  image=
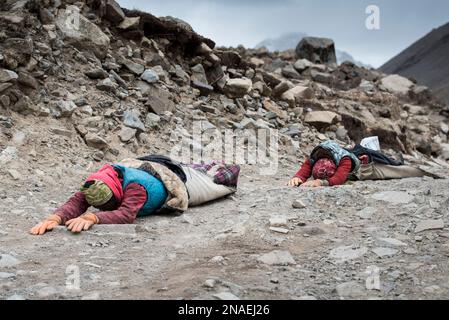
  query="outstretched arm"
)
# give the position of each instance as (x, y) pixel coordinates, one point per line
(73, 208)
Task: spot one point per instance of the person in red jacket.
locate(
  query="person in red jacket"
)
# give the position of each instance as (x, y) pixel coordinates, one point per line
(324, 172)
(329, 165)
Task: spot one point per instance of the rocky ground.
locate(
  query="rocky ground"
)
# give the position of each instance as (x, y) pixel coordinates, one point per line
(127, 83)
(322, 249)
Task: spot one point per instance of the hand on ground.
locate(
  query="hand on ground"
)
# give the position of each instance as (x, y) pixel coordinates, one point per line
(294, 182)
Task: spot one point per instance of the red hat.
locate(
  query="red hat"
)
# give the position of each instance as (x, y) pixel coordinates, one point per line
(324, 169)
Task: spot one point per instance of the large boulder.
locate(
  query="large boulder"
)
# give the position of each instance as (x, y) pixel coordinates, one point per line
(80, 32)
(396, 84)
(317, 50)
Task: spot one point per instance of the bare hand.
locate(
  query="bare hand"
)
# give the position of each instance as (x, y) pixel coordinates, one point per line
(294, 182)
(47, 225)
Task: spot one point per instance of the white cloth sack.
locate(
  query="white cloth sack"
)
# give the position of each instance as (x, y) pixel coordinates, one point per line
(202, 188)
(371, 143)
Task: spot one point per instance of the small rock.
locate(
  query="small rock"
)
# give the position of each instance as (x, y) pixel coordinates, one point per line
(129, 23)
(302, 64)
(97, 73)
(179, 75)
(274, 280)
(8, 261)
(277, 258)
(150, 76)
(7, 75)
(107, 85)
(298, 204)
(62, 108)
(225, 296)
(429, 225)
(8, 154)
(126, 134)
(94, 141)
(366, 213)
(217, 259)
(15, 174)
(152, 120)
(134, 67)
(204, 88)
(346, 253)
(199, 74)
(385, 252)
(321, 119)
(397, 84)
(61, 132)
(237, 88)
(28, 80)
(210, 283)
(278, 222)
(131, 119)
(114, 12)
(279, 230)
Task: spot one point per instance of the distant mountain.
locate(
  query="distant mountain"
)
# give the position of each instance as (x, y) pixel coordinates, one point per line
(290, 41)
(427, 61)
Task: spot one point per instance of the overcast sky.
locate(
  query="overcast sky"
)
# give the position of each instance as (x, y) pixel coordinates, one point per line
(247, 22)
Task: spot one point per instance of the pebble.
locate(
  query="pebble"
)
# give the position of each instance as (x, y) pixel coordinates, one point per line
(278, 222)
(429, 225)
(217, 259)
(14, 174)
(277, 258)
(279, 230)
(210, 283)
(225, 296)
(298, 204)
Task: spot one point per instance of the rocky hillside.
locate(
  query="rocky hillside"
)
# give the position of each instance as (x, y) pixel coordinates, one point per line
(426, 61)
(91, 80)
